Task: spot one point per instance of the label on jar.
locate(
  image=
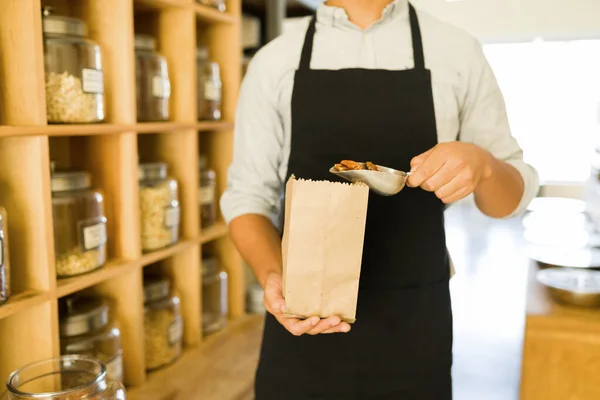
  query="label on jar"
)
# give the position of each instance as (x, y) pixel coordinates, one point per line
(171, 216)
(92, 80)
(94, 234)
(114, 368)
(206, 195)
(161, 87)
(212, 91)
(175, 332)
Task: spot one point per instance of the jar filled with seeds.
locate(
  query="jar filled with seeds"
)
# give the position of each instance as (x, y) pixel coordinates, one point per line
(79, 224)
(207, 194)
(64, 378)
(86, 329)
(218, 4)
(159, 207)
(209, 87)
(163, 324)
(73, 69)
(214, 296)
(4, 262)
(153, 87)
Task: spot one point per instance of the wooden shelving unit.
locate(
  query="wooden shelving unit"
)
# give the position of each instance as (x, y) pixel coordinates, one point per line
(110, 152)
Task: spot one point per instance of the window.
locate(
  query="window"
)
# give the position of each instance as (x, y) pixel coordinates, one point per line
(552, 93)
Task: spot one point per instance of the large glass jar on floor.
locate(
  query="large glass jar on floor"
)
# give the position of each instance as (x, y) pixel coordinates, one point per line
(86, 329)
(79, 224)
(153, 87)
(209, 87)
(214, 296)
(163, 324)
(73, 67)
(159, 207)
(65, 378)
(4, 262)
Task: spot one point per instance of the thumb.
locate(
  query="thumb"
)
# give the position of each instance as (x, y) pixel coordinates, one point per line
(274, 300)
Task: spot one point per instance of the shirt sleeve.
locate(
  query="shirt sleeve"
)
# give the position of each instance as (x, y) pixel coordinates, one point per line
(253, 182)
(484, 122)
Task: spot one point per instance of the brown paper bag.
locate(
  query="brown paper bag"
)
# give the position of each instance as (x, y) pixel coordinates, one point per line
(322, 247)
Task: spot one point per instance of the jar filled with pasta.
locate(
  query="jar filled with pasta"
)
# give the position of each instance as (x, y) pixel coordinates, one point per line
(79, 224)
(86, 329)
(159, 207)
(4, 262)
(163, 324)
(73, 71)
(209, 87)
(153, 87)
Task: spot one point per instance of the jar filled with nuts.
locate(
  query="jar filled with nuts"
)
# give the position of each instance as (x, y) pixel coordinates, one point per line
(209, 87)
(153, 87)
(79, 224)
(207, 194)
(4, 262)
(73, 67)
(163, 324)
(86, 329)
(159, 207)
(64, 378)
(214, 296)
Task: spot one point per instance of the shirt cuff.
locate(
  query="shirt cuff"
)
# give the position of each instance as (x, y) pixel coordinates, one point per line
(531, 185)
(235, 204)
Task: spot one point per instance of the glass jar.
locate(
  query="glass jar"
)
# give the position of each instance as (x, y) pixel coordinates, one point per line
(159, 207)
(4, 262)
(218, 4)
(256, 296)
(73, 67)
(206, 194)
(214, 296)
(209, 87)
(65, 378)
(79, 224)
(163, 324)
(86, 329)
(153, 87)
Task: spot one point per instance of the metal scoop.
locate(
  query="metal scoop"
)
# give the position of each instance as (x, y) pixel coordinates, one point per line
(385, 182)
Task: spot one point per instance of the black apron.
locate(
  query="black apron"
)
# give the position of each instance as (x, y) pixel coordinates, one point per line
(400, 346)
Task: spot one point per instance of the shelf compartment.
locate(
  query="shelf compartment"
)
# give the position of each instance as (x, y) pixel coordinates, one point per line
(159, 255)
(22, 301)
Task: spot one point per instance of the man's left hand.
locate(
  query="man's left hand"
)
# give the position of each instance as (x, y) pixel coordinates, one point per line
(451, 170)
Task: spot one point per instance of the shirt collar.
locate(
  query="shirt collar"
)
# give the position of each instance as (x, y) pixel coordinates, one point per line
(336, 16)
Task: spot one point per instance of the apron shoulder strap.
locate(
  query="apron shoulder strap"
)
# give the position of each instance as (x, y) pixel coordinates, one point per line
(417, 42)
(308, 45)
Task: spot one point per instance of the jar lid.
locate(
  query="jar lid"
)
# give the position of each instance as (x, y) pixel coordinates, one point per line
(156, 289)
(66, 181)
(202, 53)
(62, 25)
(210, 266)
(144, 42)
(152, 171)
(82, 315)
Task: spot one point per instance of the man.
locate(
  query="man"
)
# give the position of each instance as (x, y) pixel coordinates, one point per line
(370, 80)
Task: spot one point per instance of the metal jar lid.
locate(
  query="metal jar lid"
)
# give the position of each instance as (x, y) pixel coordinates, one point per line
(572, 280)
(156, 289)
(67, 181)
(83, 315)
(144, 42)
(152, 171)
(60, 25)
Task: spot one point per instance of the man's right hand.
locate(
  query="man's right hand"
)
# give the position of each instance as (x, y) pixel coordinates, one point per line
(275, 304)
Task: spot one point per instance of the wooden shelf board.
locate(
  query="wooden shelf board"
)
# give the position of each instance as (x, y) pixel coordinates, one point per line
(22, 301)
(217, 231)
(155, 256)
(62, 130)
(112, 269)
(206, 126)
(211, 15)
(159, 127)
(221, 367)
(160, 4)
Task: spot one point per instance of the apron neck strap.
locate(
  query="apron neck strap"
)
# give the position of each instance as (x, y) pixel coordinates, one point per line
(415, 31)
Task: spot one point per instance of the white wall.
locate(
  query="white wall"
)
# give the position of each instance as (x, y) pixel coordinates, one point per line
(508, 20)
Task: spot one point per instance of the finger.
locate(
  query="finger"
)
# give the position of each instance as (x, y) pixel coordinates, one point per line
(274, 301)
(460, 194)
(341, 328)
(427, 169)
(418, 160)
(297, 326)
(325, 324)
(445, 175)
